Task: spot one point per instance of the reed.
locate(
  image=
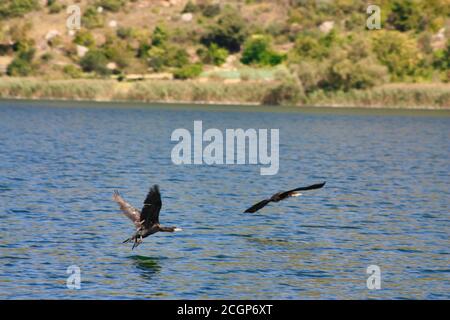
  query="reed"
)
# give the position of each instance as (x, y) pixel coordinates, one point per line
(245, 92)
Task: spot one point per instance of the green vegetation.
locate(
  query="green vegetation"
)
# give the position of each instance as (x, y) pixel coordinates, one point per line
(206, 8)
(54, 6)
(213, 55)
(84, 38)
(91, 19)
(189, 71)
(22, 63)
(17, 8)
(258, 51)
(396, 96)
(298, 52)
(111, 5)
(95, 61)
(229, 32)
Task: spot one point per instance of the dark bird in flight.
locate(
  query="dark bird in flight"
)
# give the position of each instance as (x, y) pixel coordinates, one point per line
(283, 195)
(147, 220)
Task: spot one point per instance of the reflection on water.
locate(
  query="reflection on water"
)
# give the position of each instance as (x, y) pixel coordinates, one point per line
(147, 265)
(386, 202)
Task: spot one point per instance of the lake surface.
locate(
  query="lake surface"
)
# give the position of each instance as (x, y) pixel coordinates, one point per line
(386, 203)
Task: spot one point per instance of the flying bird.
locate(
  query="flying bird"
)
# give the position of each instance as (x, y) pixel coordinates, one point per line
(283, 195)
(147, 220)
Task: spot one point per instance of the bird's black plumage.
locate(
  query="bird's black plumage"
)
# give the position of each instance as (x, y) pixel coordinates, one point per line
(281, 196)
(152, 206)
(147, 220)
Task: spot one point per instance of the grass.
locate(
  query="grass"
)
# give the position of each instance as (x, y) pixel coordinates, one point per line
(435, 96)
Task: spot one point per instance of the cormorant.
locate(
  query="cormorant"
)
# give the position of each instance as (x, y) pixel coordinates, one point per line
(283, 195)
(147, 220)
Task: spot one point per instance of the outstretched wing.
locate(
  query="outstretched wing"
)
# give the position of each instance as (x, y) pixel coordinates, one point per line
(130, 211)
(293, 191)
(257, 206)
(152, 206)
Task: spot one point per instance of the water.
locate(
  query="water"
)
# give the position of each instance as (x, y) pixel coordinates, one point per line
(386, 203)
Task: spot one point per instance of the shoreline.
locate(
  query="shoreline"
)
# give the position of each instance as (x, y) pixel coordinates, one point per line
(216, 93)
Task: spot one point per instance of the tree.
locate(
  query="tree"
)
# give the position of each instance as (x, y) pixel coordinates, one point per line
(228, 33)
(399, 52)
(95, 61)
(19, 68)
(159, 36)
(213, 55)
(258, 51)
(406, 15)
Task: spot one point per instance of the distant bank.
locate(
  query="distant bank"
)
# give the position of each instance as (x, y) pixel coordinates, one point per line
(404, 96)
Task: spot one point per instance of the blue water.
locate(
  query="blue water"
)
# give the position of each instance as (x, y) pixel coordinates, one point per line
(386, 203)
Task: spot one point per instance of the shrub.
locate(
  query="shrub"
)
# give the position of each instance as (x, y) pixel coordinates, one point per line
(311, 74)
(95, 61)
(211, 10)
(72, 71)
(159, 36)
(84, 38)
(125, 32)
(406, 15)
(19, 68)
(17, 8)
(46, 57)
(314, 46)
(22, 63)
(190, 7)
(398, 52)
(207, 9)
(188, 71)
(91, 19)
(441, 58)
(111, 5)
(167, 56)
(213, 55)
(228, 33)
(258, 51)
(156, 58)
(288, 92)
(118, 51)
(25, 50)
(54, 6)
(346, 74)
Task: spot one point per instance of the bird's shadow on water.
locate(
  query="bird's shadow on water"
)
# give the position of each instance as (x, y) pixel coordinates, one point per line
(148, 266)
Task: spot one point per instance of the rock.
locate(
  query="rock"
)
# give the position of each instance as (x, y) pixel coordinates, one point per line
(111, 66)
(71, 32)
(187, 17)
(112, 24)
(81, 51)
(51, 34)
(326, 26)
(99, 9)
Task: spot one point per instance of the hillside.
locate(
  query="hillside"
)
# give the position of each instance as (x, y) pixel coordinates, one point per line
(308, 48)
